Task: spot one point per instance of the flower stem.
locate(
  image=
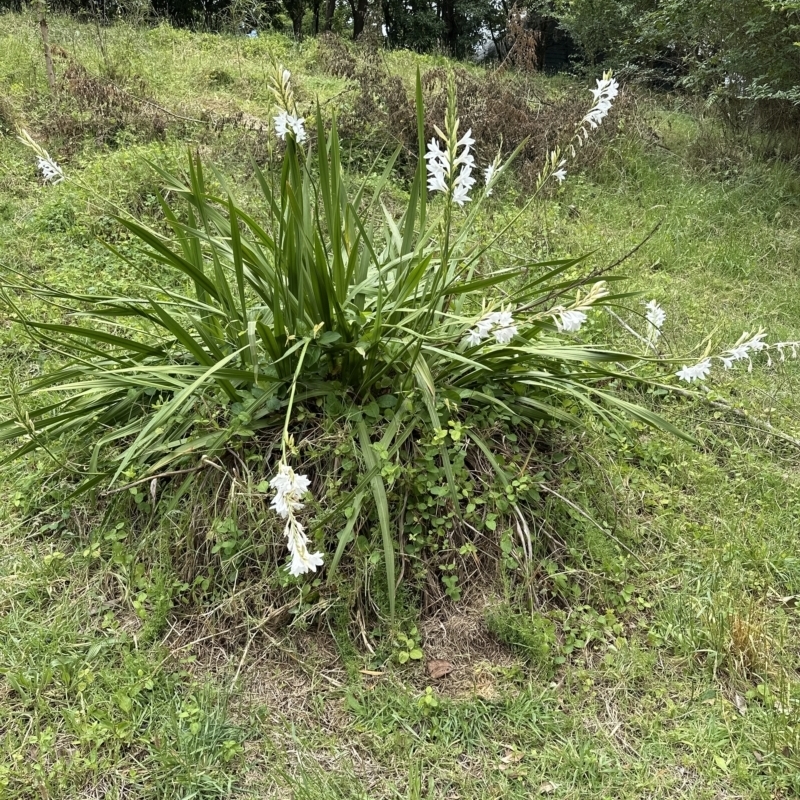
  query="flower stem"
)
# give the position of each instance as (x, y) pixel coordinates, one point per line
(285, 435)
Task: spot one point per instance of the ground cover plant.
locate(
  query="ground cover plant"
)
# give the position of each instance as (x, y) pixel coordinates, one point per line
(645, 640)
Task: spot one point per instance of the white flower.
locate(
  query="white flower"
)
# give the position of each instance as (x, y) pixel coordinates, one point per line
(298, 128)
(474, 337)
(466, 141)
(498, 323)
(607, 89)
(570, 321)
(488, 177)
(698, 372)
(501, 319)
(438, 167)
(505, 335)
(756, 343)
(742, 349)
(289, 488)
(302, 561)
(51, 172)
(435, 153)
(484, 326)
(286, 122)
(281, 124)
(560, 175)
(655, 317)
(463, 183)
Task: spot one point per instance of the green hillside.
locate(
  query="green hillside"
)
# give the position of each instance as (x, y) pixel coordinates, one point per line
(646, 645)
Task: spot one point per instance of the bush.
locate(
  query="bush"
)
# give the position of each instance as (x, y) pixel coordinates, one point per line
(319, 317)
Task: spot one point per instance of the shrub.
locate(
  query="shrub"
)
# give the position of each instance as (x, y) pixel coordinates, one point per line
(319, 311)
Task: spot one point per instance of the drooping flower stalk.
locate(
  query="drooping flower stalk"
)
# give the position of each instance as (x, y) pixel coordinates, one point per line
(289, 488)
(748, 345)
(741, 350)
(555, 165)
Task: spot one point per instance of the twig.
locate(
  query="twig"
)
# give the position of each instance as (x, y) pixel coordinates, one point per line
(594, 274)
(241, 661)
(204, 462)
(630, 330)
(161, 108)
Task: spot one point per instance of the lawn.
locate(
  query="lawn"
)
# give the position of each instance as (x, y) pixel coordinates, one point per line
(649, 646)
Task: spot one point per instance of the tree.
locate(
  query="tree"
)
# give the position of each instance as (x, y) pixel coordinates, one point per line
(296, 9)
(358, 9)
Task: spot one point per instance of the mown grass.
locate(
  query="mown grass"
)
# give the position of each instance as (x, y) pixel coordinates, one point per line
(651, 653)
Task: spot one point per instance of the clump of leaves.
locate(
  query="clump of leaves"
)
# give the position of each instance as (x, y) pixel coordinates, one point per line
(318, 298)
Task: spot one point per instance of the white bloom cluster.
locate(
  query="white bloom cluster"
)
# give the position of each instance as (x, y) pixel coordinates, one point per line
(442, 175)
(655, 316)
(286, 123)
(570, 321)
(289, 488)
(498, 323)
(742, 350)
(698, 372)
(51, 172)
(607, 89)
(561, 173)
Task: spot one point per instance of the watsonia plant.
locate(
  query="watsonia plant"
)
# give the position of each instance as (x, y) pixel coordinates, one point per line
(318, 295)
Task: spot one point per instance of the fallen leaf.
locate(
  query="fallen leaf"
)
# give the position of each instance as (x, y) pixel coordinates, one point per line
(740, 703)
(438, 669)
(512, 757)
(759, 757)
(548, 787)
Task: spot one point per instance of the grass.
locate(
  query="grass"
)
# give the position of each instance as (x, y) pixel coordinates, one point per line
(653, 651)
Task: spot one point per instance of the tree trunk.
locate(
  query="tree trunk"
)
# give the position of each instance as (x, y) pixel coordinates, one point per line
(448, 12)
(330, 10)
(359, 17)
(315, 8)
(295, 9)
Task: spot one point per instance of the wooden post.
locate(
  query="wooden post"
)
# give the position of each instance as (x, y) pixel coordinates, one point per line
(41, 10)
